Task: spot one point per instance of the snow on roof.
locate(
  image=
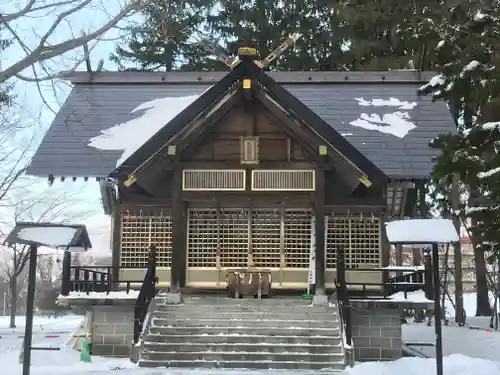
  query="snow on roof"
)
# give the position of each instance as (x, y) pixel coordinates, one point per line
(130, 135)
(133, 294)
(421, 231)
(49, 236)
(397, 123)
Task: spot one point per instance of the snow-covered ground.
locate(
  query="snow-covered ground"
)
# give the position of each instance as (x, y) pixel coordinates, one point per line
(483, 343)
(66, 361)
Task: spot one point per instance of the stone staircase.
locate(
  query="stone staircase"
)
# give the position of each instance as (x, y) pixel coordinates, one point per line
(218, 332)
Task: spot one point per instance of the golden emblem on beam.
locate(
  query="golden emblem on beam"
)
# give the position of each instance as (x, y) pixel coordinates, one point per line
(131, 179)
(365, 181)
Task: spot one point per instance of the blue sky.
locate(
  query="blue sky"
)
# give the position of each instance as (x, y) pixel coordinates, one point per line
(83, 196)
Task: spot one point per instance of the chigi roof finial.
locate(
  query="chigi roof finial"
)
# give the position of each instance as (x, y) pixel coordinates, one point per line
(248, 52)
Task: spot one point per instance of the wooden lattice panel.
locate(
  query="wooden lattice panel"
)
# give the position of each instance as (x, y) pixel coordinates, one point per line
(138, 233)
(266, 234)
(234, 235)
(283, 180)
(297, 234)
(161, 236)
(213, 179)
(337, 236)
(358, 234)
(202, 238)
(365, 241)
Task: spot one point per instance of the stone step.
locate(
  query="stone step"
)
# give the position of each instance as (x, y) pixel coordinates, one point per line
(241, 356)
(247, 300)
(271, 331)
(250, 315)
(211, 309)
(329, 367)
(242, 339)
(262, 347)
(254, 323)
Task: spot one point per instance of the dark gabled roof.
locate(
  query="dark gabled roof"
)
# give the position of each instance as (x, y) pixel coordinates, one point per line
(228, 87)
(105, 99)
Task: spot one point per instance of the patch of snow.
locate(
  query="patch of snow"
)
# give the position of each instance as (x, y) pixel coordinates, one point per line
(129, 136)
(421, 231)
(470, 210)
(490, 125)
(346, 134)
(455, 364)
(133, 294)
(48, 236)
(403, 268)
(391, 102)
(474, 64)
(479, 16)
(488, 173)
(416, 297)
(397, 123)
(435, 81)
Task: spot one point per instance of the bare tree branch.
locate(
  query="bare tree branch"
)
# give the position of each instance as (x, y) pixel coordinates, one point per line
(44, 51)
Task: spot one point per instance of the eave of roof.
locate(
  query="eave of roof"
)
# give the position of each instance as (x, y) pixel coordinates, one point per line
(291, 77)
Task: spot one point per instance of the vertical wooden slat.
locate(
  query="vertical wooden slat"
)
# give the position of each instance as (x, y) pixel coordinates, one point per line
(250, 249)
(282, 244)
(319, 206)
(217, 251)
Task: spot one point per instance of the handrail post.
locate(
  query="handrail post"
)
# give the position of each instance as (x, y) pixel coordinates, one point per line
(340, 266)
(66, 274)
(152, 266)
(428, 288)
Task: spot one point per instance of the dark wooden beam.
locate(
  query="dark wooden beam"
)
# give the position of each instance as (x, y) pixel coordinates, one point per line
(177, 278)
(190, 136)
(310, 142)
(319, 211)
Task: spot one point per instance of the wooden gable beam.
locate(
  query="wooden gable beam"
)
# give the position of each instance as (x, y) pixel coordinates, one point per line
(319, 126)
(308, 140)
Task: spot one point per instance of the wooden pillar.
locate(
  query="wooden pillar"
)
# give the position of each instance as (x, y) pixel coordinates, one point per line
(422, 209)
(385, 248)
(66, 274)
(319, 211)
(115, 246)
(178, 267)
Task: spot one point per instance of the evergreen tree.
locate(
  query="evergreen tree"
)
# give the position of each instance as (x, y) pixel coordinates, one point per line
(470, 84)
(264, 24)
(392, 34)
(167, 39)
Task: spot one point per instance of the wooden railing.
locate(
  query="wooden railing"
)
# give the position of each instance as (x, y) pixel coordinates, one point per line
(146, 294)
(87, 279)
(344, 307)
(410, 280)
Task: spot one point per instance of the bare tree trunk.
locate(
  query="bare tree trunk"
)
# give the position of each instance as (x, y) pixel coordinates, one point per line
(483, 307)
(457, 256)
(13, 300)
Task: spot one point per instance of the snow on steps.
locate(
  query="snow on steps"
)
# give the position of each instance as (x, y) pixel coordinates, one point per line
(217, 332)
